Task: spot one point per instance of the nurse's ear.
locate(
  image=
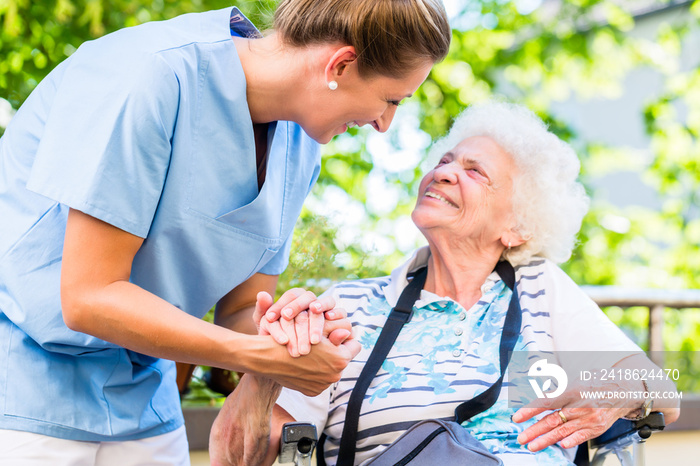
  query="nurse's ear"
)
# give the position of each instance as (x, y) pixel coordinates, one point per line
(338, 64)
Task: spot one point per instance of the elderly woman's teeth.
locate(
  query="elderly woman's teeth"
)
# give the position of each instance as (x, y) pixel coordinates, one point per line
(439, 198)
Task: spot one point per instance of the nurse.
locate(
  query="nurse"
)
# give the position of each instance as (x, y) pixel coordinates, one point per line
(155, 173)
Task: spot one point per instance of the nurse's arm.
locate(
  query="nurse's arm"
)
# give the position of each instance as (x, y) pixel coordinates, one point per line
(97, 298)
(235, 310)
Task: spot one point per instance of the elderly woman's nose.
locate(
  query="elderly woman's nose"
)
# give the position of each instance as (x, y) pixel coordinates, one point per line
(446, 173)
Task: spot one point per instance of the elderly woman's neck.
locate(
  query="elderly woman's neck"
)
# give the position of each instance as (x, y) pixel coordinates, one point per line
(459, 274)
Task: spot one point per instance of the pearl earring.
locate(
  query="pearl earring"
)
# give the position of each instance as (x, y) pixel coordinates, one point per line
(509, 245)
(332, 85)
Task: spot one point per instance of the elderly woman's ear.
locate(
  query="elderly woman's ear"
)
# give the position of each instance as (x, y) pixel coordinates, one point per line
(512, 239)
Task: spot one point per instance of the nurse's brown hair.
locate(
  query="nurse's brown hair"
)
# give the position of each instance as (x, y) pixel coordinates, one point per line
(391, 37)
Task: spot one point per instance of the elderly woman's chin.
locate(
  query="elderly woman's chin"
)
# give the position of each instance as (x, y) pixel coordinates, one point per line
(428, 223)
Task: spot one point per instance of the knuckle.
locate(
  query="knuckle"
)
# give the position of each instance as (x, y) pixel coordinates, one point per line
(578, 437)
(599, 418)
(552, 420)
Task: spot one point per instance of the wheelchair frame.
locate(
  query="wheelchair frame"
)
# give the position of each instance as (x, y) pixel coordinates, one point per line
(299, 439)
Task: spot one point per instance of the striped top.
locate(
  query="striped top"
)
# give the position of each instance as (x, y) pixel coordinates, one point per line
(447, 354)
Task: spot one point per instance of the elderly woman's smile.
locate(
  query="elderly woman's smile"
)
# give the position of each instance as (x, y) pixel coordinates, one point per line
(469, 192)
(435, 195)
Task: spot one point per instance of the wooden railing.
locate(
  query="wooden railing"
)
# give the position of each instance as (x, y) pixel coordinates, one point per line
(655, 300)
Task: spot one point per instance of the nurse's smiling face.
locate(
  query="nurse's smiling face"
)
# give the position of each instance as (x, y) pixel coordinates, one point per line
(358, 102)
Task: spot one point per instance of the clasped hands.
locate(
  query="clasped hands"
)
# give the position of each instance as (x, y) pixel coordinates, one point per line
(299, 320)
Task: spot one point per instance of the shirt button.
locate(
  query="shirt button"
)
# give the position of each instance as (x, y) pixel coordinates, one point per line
(462, 315)
(458, 331)
(456, 353)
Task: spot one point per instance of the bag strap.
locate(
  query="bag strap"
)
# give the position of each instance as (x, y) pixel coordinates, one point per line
(511, 332)
(397, 318)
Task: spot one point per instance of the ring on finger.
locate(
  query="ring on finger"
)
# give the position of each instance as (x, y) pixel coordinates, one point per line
(562, 417)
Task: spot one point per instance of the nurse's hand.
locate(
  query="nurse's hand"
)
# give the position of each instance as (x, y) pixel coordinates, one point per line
(299, 320)
(300, 306)
(309, 374)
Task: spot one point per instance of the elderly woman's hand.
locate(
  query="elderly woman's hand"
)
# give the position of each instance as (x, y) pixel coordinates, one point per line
(298, 319)
(577, 420)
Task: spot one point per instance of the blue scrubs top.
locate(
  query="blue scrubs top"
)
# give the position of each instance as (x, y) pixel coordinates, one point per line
(147, 129)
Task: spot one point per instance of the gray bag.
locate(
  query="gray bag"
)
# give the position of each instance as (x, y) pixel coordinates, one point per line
(436, 442)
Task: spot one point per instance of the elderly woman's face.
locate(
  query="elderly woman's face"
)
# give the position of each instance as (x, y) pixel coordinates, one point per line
(468, 195)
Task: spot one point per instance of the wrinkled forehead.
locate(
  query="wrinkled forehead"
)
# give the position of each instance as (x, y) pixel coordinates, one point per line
(484, 149)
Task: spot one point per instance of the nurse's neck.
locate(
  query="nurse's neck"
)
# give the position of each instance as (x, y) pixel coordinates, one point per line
(282, 81)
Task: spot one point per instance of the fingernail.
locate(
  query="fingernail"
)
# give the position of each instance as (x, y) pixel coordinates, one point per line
(288, 313)
(317, 306)
(521, 439)
(330, 314)
(314, 339)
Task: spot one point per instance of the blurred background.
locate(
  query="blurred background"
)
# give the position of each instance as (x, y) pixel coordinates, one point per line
(618, 79)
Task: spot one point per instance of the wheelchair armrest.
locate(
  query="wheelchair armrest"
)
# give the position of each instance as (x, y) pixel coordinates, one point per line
(297, 442)
(622, 428)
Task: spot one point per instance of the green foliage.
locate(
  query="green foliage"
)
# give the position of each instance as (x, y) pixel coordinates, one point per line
(313, 261)
(583, 49)
(37, 36)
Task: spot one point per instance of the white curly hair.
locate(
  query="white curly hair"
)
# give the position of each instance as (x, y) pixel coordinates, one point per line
(548, 201)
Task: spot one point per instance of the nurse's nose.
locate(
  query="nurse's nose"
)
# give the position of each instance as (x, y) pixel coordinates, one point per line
(382, 123)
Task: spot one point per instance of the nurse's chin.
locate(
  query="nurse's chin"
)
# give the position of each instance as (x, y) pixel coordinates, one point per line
(324, 138)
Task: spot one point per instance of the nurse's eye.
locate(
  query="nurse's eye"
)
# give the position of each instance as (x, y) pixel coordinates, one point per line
(395, 103)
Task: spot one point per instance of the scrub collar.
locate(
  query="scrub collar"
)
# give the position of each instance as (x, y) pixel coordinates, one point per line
(241, 26)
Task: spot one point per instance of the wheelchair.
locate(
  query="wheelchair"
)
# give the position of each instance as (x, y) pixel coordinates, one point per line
(298, 442)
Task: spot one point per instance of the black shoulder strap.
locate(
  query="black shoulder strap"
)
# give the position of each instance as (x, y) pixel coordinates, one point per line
(397, 318)
(511, 331)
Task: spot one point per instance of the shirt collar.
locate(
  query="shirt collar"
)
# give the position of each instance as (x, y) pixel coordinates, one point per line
(419, 259)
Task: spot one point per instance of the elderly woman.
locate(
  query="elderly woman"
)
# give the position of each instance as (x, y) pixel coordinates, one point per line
(504, 188)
